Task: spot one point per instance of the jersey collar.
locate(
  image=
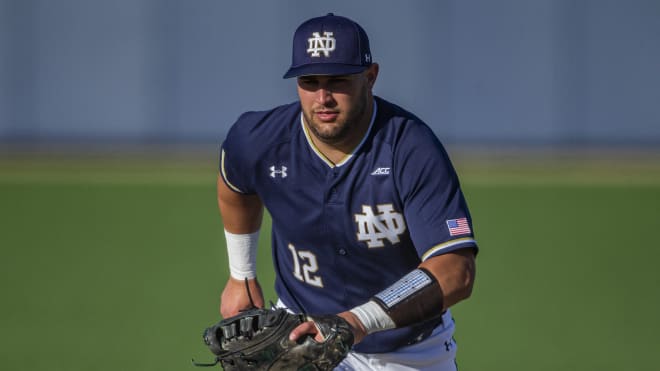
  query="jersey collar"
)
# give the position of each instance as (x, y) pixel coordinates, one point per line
(348, 156)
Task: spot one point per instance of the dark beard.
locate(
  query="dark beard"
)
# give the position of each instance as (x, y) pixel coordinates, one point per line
(344, 131)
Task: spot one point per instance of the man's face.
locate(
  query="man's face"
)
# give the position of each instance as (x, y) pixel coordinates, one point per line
(334, 105)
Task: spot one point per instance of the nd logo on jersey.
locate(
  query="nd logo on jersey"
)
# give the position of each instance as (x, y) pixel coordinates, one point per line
(375, 228)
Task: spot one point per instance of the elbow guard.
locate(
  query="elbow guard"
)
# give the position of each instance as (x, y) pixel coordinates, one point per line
(414, 298)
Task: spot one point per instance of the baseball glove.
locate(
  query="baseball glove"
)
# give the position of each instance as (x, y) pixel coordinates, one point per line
(258, 339)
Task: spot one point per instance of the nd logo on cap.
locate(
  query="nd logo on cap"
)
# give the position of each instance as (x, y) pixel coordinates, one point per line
(318, 43)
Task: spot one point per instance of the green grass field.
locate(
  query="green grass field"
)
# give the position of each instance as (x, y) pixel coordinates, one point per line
(117, 264)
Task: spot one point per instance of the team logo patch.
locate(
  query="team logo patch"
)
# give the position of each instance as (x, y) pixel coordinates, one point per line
(374, 229)
(458, 226)
(321, 44)
(275, 172)
(381, 171)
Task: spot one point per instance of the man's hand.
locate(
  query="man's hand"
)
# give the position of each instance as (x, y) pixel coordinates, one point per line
(309, 328)
(235, 297)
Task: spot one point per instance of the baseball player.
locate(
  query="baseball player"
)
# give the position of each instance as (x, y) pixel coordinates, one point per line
(368, 218)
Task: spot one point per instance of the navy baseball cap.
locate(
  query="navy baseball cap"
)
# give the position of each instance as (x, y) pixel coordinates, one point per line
(329, 45)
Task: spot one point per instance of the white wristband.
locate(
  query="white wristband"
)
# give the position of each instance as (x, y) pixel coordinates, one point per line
(373, 317)
(242, 253)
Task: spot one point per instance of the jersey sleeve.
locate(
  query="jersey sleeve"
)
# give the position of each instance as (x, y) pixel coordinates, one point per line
(236, 164)
(435, 209)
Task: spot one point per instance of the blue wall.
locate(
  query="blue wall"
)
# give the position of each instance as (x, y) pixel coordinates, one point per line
(507, 71)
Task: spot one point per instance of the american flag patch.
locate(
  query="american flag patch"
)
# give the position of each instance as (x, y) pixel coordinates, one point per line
(458, 226)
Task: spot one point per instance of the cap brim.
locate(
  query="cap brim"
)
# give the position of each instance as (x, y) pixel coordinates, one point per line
(323, 69)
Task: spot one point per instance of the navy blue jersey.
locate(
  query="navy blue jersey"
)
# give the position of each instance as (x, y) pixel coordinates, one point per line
(343, 232)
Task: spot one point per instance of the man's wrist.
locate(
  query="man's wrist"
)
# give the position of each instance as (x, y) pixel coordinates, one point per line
(359, 331)
(242, 254)
(373, 317)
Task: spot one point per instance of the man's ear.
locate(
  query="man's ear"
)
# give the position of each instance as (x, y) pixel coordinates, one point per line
(372, 74)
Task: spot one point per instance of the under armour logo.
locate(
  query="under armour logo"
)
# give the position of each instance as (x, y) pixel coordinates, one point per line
(367, 58)
(274, 172)
(375, 228)
(318, 43)
(381, 171)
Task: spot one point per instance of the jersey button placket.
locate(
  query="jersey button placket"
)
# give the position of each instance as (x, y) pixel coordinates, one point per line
(332, 187)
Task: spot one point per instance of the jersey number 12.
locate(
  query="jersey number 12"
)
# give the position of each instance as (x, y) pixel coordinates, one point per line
(305, 267)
